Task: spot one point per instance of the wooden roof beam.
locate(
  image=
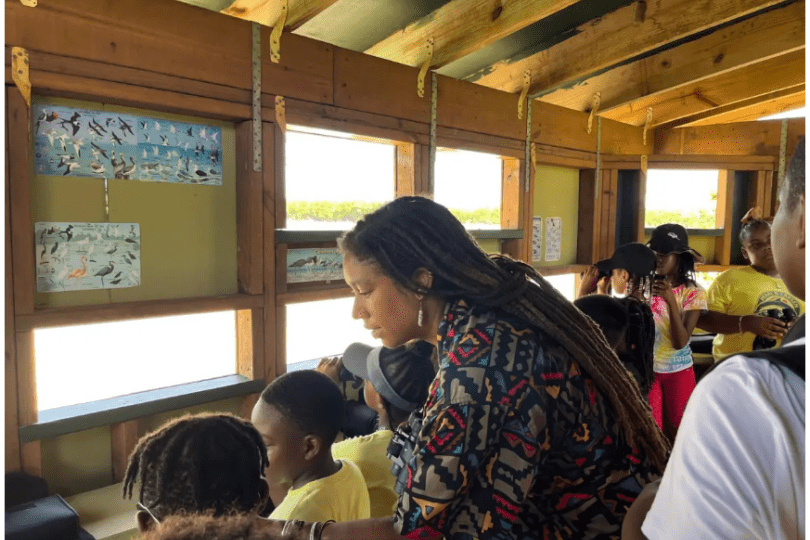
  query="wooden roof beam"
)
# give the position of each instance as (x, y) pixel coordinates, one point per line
(747, 110)
(774, 74)
(461, 27)
(616, 38)
(267, 11)
(769, 34)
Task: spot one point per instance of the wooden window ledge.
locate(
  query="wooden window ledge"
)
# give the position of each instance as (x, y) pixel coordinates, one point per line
(105, 513)
(62, 420)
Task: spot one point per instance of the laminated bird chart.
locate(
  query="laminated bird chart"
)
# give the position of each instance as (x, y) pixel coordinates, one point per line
(102, 144)
(306, 265)
(87, 256)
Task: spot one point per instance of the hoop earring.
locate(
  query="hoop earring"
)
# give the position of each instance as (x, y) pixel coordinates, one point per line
(421, 315)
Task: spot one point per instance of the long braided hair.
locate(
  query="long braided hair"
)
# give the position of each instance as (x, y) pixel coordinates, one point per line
(640, 341)
(410, 233)
(196, 463)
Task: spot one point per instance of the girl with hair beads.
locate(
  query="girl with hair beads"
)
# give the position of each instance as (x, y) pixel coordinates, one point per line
(677, 303)
(532, 428)
(743, 301)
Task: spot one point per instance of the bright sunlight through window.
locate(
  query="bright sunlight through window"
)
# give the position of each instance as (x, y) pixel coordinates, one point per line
(469, 184)
(686, 197)
(324, 328)
(565, 283)
(333, 179)
(79, 364)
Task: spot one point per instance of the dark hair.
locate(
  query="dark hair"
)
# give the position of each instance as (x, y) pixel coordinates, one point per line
(309, 400)
(686, 270)
(211, 462)
(413, 232)
(206, 527)
(751, 226)
(630, 320)
(794, 176)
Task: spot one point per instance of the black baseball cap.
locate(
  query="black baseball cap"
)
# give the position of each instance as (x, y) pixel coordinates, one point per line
(392, 371)
(672, 238)
(635, 257)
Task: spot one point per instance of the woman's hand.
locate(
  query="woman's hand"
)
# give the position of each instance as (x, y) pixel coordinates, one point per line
(602, 285)
(588, 281)
(767, 327)
(663, 288)
(330, 367)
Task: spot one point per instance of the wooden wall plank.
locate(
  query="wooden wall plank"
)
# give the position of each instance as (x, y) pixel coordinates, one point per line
(404, 169)
(305, 71)
(769, 195)
(459, 106)
(366, 83)
(610, 222)
(249, 214)
(641, 205)
(422, 170)
(740, 138)
(725, 204)
(587, 217)
(123, 438)
(748, 110)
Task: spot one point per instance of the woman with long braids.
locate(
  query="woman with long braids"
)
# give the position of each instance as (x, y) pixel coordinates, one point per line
(532, 427)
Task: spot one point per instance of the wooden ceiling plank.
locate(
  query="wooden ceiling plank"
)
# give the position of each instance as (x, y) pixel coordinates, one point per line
(267, 11)
(758, 79)
(616, 38)
(748, 110)
(461, 27)
(772, 33)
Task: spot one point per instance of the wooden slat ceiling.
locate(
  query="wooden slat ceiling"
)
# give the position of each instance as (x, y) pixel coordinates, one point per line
(695, 62)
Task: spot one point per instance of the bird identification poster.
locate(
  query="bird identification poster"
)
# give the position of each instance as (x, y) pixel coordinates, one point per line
(321, 264)
(87, 256)
(553, 239)
(101, 144)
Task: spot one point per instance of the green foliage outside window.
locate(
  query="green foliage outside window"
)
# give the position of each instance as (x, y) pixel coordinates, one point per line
(702, 219)
(355, 210)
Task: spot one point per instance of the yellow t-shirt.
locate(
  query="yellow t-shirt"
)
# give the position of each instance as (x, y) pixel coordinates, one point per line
(744, 291)
(341, 496)
(369, 453)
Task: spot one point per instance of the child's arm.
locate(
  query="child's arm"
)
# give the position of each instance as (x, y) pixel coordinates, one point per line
(722, 323)
(681, 323)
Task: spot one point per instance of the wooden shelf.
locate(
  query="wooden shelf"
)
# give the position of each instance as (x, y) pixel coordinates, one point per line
(47, 318)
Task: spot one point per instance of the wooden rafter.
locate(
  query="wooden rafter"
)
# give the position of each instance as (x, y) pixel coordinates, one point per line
(267, 11)
(775, 32)
(461, 27)
(786, 71)
(616, 38)
(749, 110)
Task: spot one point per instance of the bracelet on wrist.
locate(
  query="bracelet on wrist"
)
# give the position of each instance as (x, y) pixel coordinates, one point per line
(739, 323)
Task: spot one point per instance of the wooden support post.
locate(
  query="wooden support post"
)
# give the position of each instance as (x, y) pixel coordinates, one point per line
(27, 398)
(725, 204)
(612, 185)
(641, 206)
(124, 437)
(13, 461)
(511, 205)
(769, 195)
(404, 170)
(756, 191)
(275, 208)
(588, 217)
(421, 163)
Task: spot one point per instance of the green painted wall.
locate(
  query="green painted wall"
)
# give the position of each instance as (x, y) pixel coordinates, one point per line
(556, 194)
(188, 232)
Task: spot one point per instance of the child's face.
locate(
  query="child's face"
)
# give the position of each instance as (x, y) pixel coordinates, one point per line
(285, 444)
(667, 264)
(757, 249)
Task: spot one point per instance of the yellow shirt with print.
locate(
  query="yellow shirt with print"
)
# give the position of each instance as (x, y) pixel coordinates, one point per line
(744, 291)
(370, 454)
(341, 496)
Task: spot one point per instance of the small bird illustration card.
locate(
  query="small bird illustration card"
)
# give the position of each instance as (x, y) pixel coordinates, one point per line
(87, 256)
(103, 144)
(537, 239)
(306, 265)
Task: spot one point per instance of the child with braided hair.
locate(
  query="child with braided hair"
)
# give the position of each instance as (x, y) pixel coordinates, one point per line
(532, 428)
(740, 300)
(198, 463)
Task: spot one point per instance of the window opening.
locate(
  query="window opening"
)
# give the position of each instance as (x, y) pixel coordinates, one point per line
(469, 185)
(83, 363)
(686, 197)
(333, 178)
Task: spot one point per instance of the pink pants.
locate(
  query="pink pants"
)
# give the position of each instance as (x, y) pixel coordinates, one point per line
(668, 397)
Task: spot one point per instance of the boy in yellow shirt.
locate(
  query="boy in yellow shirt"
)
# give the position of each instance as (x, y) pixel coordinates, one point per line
(740, 299)
(396, 383)
(298, 416)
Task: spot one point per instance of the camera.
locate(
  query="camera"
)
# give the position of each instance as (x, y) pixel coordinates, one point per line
(786, 315)
(401, 447)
